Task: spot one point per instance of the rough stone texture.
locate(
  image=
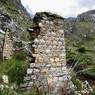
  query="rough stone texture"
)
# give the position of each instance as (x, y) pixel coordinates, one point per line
(49, 73)
(7, 47)
(1, 48)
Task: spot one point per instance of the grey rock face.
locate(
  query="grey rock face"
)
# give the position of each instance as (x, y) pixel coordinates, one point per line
(88, 16)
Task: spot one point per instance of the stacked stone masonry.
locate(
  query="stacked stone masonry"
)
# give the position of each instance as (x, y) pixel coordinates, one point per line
(1, 48)
(49, 73)
(7, 47)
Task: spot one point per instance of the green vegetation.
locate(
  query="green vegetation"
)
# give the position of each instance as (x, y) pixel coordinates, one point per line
(79, 55)
(8, 91)
(93, 93)
(77, 83)
(80, 50)
(15, 68)
(20, 55)
(84, 25)
(91, 71)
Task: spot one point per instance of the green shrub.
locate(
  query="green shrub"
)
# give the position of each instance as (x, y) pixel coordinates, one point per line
(77, 83)
(17, 72)
(20, 55)
(93, 92)
(15, 69)
(7, 91)
(82, 50)
(33, 92)
(90, 72)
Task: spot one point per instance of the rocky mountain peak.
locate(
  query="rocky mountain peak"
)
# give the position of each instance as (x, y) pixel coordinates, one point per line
(88, 16)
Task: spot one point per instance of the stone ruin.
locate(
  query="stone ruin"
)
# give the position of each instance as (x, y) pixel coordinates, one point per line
(1, 48)
(48, 72)
(7, 46)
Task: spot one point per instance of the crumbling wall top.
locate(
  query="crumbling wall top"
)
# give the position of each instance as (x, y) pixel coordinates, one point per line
(46, 16)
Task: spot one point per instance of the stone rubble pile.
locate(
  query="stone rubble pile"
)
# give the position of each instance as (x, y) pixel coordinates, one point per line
(49, 73)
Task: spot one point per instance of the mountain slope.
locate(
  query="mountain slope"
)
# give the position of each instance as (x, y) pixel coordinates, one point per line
(17, 13)
(15, 17)
(80, 44)
(87, 16)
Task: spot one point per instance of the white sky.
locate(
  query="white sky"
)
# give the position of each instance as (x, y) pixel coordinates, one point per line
(65, 8)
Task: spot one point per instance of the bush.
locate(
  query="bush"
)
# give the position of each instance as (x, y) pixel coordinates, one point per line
(6, 92)
(17, 72)
(15, 69)
(90, 73)
(77, 83)
(82, 50)
(93, 92)
(20, 55)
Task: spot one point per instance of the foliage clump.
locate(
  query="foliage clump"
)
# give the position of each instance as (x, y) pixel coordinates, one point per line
(77, 83)
(15, 68)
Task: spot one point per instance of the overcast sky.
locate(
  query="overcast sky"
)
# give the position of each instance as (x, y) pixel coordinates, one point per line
(65, 8)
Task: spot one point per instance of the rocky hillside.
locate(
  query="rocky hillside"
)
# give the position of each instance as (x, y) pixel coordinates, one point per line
(87, 16)
(14, 15)
(80, 44)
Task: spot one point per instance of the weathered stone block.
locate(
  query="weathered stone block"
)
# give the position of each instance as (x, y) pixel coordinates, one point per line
(27, 78)
(48, 51)
(36, 55)
(52, 60)
(44, 71)
(33, 77)
(36, 71)
(29, 71)
(57, 59)
(42, 41)
(32, 65)
(40, 24)
(40, 60)
(30, 84)
(61, 31)
(24, 85)
(55, 43)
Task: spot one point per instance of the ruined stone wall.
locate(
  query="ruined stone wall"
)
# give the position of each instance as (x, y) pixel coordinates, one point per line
(1, 47)
(7, 47)
(49, 73)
